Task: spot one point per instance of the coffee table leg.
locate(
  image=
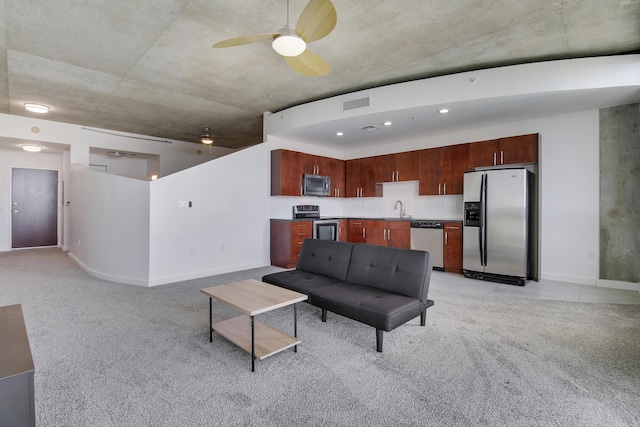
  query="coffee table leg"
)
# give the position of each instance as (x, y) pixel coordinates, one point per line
(295, 325)
(253, 346)
(210, 320)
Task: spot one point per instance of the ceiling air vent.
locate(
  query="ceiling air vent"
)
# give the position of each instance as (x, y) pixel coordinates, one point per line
(356, 103)
(369, 128)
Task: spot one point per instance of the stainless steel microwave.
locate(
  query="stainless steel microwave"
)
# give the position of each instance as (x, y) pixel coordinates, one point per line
(316, 185)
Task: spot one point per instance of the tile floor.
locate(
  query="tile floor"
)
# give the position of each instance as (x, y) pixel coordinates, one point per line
(544, 289)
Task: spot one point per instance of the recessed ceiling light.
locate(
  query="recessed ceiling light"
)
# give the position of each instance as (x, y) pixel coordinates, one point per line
(36, 108)
(339, 133)
(32, 148)
(387, 123)
(443, 110)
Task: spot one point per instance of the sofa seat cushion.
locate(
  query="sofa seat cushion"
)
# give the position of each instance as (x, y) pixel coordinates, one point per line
(375, 307)
(298, 280)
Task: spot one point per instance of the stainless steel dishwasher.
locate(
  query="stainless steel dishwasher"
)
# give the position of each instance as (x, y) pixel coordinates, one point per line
(428, 236)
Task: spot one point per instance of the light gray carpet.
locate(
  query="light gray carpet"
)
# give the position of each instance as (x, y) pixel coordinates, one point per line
(117, 355)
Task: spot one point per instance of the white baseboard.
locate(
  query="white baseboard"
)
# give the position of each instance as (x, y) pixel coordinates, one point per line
(569, 279)
(199, 274)
(107, 276)
(617, 284)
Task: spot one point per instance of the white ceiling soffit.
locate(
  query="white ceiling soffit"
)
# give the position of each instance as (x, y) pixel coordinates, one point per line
(477, 99)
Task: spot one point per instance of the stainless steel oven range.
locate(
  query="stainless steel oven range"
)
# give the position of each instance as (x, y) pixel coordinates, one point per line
(323, 228)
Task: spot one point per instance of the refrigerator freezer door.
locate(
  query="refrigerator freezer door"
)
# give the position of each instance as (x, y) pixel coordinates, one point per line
(506, 222)
(471, 240)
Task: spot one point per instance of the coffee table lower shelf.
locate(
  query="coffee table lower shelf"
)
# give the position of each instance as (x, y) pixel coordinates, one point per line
(268, 340)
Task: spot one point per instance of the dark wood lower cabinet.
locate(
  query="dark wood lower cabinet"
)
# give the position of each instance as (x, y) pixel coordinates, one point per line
(453, 247)
(286, 241)
(380, 232)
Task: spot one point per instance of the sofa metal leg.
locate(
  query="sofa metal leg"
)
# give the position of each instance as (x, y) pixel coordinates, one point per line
(423, 317)
(324, 314)
(379, 340)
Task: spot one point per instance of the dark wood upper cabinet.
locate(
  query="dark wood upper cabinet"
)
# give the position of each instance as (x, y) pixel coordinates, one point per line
(397, 167)
(455, 162)
(484, 153)
(504, 151)
(442, 170)
(361, 178)
(286, 173)
(430, 172)
(519, 149)
(287, 168)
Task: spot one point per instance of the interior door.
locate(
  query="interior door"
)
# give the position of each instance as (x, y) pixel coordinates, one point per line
(34, 208)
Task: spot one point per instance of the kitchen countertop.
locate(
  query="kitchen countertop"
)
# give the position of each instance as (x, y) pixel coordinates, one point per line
(372, 218)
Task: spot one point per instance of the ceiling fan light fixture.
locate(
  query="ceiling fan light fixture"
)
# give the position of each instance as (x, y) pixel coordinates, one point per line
(288, 43)
(207, 140)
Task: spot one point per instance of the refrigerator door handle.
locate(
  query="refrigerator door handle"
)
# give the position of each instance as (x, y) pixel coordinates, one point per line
(483, 216)
(482, 229)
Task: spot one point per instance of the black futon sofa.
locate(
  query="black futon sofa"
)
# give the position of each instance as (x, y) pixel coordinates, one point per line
(380, 286)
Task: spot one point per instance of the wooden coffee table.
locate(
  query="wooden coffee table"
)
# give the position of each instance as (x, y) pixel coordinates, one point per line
(253, 297)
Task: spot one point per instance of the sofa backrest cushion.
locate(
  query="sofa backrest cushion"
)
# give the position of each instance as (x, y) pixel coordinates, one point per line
(403, 271)
(325, 257)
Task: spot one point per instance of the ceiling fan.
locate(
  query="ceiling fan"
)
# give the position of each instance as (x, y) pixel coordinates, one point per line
(316, 21)
(210, 139)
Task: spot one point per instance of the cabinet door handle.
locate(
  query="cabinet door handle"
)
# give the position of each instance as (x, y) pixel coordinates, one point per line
(388, 234)
(445, 188)
(494, 159)
(384, 234)
(397, 176)
(357, 223)
(453, 227)
(439, 189)
(501, 157)
(446, 238)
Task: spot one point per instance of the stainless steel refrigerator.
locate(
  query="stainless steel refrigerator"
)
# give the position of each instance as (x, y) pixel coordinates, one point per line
(498, 226)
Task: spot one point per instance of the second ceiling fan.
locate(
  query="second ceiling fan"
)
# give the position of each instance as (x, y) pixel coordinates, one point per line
(316, 21)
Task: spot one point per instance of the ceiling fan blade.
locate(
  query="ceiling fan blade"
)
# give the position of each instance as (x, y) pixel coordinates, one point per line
(308, 63)
(253, 38)
(317, 20)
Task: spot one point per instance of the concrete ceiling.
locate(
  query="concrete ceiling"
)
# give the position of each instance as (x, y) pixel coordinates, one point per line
(147, 67)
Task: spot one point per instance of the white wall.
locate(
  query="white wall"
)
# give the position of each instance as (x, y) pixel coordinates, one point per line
(174, 155)
(568, 184)
(129, 166)
(10, 159)
(227, 229)
(109, 225)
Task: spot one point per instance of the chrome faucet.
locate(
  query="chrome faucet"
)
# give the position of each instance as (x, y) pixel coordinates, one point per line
(395, 208)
